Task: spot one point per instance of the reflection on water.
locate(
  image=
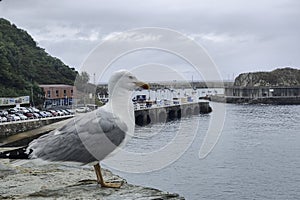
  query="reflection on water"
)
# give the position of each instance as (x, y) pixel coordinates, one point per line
(257, 156)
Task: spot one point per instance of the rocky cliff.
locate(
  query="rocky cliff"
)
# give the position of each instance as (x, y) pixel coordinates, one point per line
(279, 77)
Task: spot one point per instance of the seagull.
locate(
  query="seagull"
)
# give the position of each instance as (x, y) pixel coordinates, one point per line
(89, 138)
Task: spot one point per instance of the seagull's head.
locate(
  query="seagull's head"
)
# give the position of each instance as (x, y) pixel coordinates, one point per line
(125, 80)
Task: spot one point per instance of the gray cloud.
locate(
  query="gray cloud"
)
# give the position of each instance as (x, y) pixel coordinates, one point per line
(239, 35)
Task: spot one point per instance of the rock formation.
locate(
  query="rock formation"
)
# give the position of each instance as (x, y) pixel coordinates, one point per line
(279, 77)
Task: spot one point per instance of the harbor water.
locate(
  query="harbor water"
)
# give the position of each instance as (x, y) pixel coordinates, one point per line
(256, 157)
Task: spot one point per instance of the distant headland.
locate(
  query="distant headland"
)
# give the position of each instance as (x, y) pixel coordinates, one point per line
(279, 77)
(280, 86)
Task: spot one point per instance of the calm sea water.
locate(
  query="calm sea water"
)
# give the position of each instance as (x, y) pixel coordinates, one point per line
(257, 156)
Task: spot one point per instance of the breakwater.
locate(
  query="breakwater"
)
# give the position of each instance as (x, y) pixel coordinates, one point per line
(281, 95)
(171, 112)
(258, 100)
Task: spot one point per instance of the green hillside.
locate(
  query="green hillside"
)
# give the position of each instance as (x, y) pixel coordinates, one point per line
(24, 65)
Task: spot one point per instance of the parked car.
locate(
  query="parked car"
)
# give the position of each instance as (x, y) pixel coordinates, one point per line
(43, 114)
(30, 110)
(36, 115)
(82, 109)
(22, 117)
(12, 111)
(48, 114)
(53, 112)
(3, 119)
(13, 117)
(29, 115)
(34, 109)
(3, 113)
(22, 109)
(72, 112)
(65, 112)
(60, 113)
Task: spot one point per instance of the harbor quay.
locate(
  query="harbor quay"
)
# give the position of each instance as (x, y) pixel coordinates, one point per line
(288, 95)
(143, 117)
(172, 112)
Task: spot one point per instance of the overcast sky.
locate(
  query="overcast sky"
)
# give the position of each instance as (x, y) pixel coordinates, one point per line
(240, 36)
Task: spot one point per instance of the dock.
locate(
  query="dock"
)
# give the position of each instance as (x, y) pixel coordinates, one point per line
(257, 100)
(170, 112)
(288, 95)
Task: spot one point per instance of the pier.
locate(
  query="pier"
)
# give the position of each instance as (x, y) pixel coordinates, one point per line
(288, 95)
(171, 112)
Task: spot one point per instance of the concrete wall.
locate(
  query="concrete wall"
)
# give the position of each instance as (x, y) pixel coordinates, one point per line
(164, 114)
(261, 100)
(258, 92)
(12, 128)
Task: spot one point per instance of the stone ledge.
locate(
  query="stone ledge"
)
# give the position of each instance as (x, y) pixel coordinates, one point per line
(55, 181)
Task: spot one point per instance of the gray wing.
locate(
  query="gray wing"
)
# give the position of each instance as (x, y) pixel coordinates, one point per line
(87, 138)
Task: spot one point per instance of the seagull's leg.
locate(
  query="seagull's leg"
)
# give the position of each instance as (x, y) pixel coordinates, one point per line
(101, 181)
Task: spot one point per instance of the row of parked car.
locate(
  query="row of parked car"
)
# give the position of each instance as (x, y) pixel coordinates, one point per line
(22, 113)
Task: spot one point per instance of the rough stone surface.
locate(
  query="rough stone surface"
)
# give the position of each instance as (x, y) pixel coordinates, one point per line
(278, 77)
(55, 181)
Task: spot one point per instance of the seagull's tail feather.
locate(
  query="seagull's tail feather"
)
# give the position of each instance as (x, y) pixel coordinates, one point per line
(19, 153)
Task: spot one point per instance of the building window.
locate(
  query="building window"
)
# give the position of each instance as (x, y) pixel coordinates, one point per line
(65, 93)
(48, 93)
(57, 94)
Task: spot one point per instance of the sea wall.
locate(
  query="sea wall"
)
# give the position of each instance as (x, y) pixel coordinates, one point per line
(12, 128)
(172, 112)
(262, 100)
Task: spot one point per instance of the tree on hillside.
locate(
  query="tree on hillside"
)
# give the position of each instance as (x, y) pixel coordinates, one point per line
(82, 82)
(24, 65)
(83, 78)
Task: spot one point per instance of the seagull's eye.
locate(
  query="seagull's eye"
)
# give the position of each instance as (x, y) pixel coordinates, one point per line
(130, 77)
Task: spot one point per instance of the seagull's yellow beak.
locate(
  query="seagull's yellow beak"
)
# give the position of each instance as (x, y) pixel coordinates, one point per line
(143, 85)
